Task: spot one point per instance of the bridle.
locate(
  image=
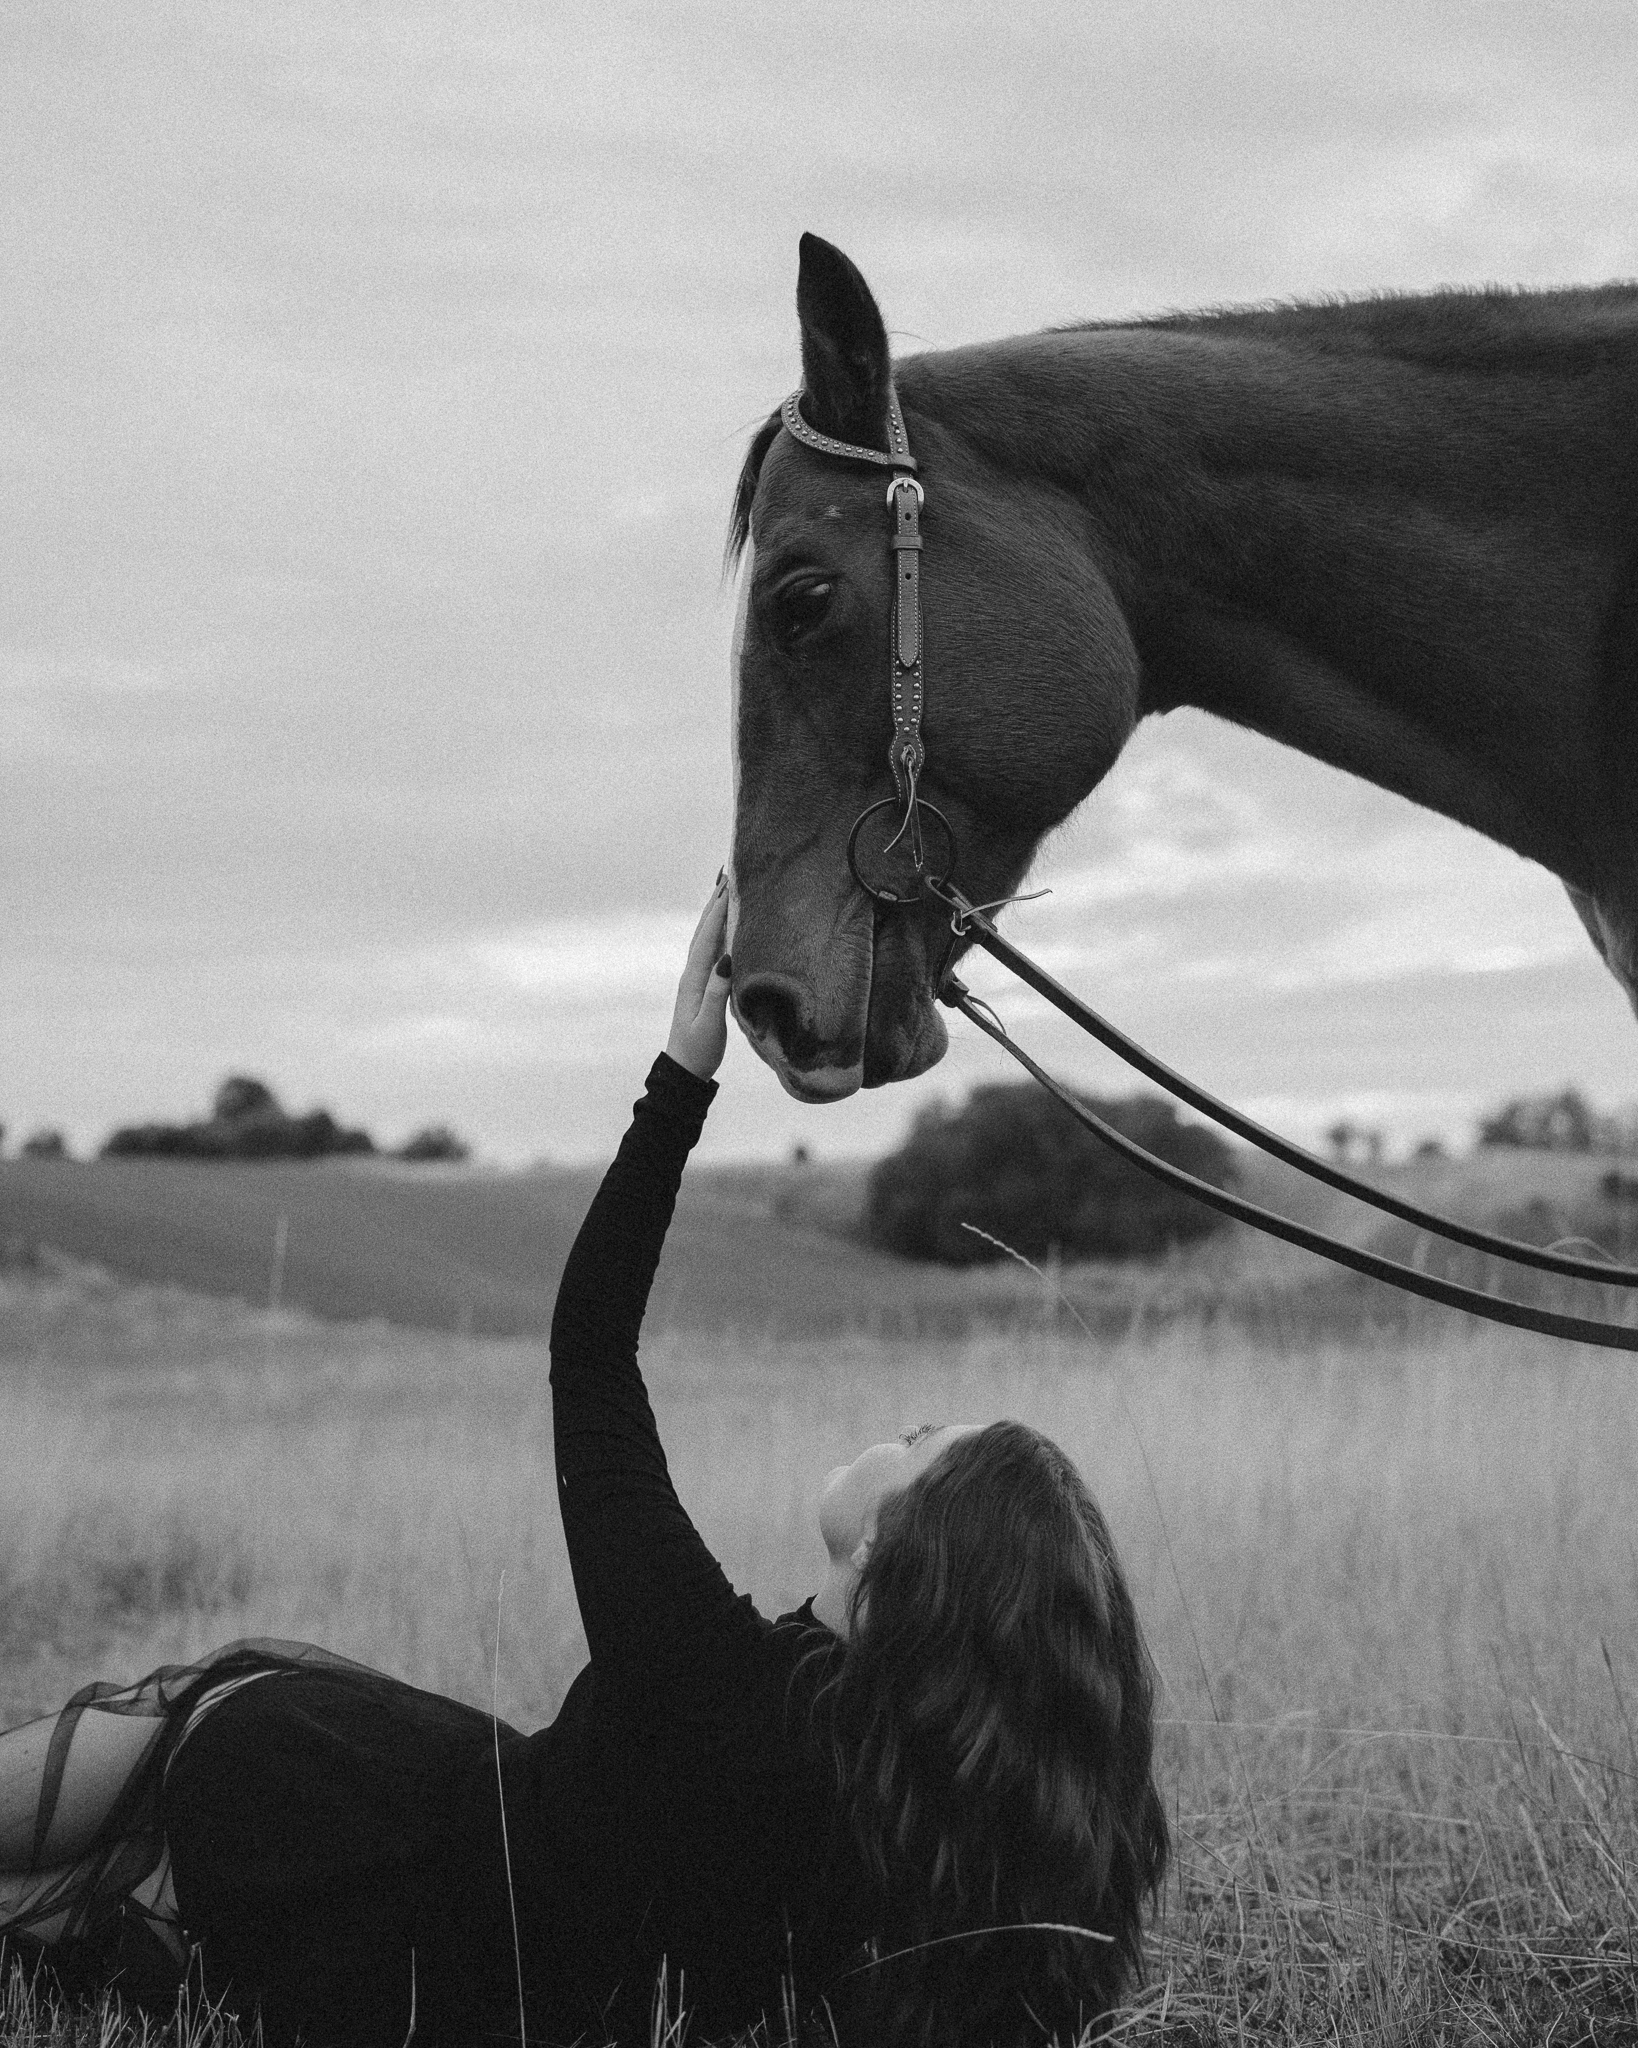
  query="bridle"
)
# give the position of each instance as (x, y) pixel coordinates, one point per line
(918, 860)
(906, 753)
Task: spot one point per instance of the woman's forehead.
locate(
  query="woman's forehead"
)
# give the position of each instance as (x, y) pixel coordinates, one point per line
(931, 1439)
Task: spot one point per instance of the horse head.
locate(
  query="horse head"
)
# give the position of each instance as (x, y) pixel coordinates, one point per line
(1031, 691)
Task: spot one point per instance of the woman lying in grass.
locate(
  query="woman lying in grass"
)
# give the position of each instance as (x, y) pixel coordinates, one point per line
(923, 1799)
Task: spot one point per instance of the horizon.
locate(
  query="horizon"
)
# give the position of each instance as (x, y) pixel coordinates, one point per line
(388, 1153)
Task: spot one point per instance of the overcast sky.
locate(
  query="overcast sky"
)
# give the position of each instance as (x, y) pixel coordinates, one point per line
(374, 381)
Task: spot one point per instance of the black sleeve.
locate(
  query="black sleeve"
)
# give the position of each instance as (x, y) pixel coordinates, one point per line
(666, 1630)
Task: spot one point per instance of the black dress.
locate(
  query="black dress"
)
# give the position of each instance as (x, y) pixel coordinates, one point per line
(349, 1852)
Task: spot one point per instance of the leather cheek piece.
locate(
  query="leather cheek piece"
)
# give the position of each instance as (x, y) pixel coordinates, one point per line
(906, 543)
(909, 615)
(906, 753)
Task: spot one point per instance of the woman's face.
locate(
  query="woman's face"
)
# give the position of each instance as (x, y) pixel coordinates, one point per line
(853, 1494)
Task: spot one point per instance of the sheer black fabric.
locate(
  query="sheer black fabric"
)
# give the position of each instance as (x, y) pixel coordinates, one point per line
(334, 1837)
(110, 1916)
(335, 1840)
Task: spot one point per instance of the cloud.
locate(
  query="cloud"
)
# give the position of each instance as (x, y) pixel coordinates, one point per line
(68, 671)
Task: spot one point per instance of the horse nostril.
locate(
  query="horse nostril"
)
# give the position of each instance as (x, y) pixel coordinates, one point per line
(768, 1012)
(771, 1009)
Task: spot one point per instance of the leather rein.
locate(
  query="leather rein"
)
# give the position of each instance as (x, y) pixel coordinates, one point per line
(919, 859)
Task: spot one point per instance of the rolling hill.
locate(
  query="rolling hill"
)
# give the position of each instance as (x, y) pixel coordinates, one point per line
(760, 1251)
(470, 1251)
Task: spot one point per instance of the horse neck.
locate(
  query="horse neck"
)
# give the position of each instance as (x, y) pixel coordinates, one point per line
(1407, 554)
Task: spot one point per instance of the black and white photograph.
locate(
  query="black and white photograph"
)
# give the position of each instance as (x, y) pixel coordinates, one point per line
(819, 969)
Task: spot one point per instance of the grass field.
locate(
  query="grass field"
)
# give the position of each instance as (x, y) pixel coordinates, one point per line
(1391, 1585)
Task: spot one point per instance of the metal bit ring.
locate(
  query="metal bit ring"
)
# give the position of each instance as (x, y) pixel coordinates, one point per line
(933, 861)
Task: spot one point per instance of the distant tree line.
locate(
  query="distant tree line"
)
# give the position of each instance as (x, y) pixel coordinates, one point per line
(41, 1144)
(1351, 1142)
(1565, 1122)
(1012, 1163)
(248, 1122)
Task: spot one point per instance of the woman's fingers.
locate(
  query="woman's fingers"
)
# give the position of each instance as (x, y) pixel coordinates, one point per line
(699, 1025)
(716, 905)
(706, 944)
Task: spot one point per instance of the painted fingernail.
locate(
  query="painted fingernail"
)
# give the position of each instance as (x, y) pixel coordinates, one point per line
(725, 966)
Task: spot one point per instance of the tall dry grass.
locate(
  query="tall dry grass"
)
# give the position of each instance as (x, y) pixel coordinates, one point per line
(1392, 1593)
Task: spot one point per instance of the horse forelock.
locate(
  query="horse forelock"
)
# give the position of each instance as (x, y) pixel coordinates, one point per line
(747, 548)
(739, 520)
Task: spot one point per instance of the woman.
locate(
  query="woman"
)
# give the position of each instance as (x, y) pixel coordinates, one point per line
(875, 1800)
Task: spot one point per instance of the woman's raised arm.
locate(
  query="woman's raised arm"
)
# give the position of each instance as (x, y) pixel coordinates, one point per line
(663, 1624)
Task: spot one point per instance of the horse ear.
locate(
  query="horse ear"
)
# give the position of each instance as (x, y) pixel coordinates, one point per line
(845, 364)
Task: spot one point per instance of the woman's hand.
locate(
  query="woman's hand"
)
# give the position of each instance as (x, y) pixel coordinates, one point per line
(699, 1024)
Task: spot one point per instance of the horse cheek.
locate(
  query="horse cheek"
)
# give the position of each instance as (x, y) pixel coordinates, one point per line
(1059, 729)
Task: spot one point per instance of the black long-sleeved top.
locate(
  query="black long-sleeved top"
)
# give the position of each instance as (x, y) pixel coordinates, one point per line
(682, 1805)
(358, 1859)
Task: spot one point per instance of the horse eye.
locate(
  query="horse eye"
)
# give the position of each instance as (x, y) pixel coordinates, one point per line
(800, 609)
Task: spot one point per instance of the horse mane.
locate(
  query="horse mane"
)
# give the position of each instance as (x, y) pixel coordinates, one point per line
(1478, 328)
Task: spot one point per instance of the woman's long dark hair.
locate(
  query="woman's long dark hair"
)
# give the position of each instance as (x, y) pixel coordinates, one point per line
(992, 1719)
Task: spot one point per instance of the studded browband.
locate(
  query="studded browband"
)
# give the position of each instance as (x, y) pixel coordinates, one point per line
(905, 496)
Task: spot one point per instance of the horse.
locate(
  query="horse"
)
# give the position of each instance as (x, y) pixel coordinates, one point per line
(1397, 533)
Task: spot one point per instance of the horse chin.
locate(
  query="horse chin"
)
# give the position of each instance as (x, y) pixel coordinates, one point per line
(917, 1040)
(818, 1084)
